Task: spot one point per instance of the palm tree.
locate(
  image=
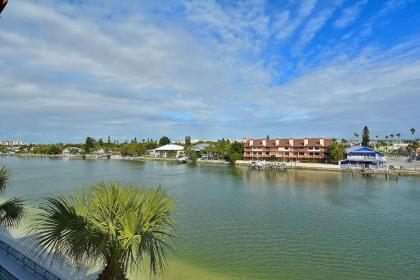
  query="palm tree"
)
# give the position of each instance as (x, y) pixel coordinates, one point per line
(356, 135)
(412, 130)
(113, 225)
(392, 136)
(12, 210)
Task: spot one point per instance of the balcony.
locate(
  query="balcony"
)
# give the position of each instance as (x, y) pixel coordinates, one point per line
(364, 158)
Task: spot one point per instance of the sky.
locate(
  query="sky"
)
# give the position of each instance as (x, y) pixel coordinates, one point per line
(208, 69)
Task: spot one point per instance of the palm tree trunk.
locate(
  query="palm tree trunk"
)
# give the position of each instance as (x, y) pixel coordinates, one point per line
(112, 272)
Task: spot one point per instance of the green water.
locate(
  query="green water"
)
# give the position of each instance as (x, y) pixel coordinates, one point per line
(235, 223)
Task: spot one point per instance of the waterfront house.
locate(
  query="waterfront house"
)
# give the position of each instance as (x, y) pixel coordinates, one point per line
(67, 152)
(170, 150)
(363, 157)
(307, 149)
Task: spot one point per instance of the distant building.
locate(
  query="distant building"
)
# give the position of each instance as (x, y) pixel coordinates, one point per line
(307, 149)
(11, 142)
(363, 157)
(167, 151)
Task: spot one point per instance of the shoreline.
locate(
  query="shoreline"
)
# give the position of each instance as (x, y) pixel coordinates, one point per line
(244, 163)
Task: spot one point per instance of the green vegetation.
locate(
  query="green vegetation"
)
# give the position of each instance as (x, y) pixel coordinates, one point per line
(365, 137)
(337, 152)
(116, 226)
(164, 141)
(224, 149)
(48, 149)
(12, 210)
(89, 144)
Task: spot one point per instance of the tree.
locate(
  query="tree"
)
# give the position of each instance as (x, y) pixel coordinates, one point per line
(392, 136)
(164, 141)
(109, 140)
(89, 144)
(365, 137)
(100, 142)
(267, 137)
(398, 136)
(54, 150)
(116, 226)
(12, 210)
(356, 135)
(412, 130)
(187, 141)
(236, 151)
(336, 152)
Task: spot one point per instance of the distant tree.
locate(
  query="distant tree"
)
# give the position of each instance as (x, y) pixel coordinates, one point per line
(89, 144)
(54, 150)
(109, 139)
(134, 141)
(235, 152)
(398, 136)
(164, 141)
(365, 137)
(188, 141)
(412, 130)
(100, 142)
(392, 136)
(267, 137)
(356, 135)
(386, 137)
(336, 152)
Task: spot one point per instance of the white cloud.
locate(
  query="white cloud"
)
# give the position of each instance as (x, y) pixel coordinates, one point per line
(285, 25)
(141, 71)
(312, 27)
(349, 14)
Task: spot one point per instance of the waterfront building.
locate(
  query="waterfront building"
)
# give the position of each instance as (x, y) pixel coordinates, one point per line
(170, 150)
(67, 152)
(11, 142)
(306, 149)
(363, 157)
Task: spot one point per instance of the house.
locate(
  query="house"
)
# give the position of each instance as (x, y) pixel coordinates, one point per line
(307, 149)
(363, 157)
(67, 152)
(170, 150)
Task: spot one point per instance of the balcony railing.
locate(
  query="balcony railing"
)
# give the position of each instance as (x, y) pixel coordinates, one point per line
(26, 263)
(363, 158)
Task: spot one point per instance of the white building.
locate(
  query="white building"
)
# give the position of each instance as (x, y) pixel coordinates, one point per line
(167, 150)
(11, 142)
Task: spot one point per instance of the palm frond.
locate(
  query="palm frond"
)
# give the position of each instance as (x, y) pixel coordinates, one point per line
(113, 223)
(11, 212)
(59, 230)
(4, 179)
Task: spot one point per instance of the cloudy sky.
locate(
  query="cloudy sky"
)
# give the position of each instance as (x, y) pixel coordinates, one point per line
(209, 69)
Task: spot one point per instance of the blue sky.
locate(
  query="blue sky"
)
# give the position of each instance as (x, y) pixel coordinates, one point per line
(209, 69)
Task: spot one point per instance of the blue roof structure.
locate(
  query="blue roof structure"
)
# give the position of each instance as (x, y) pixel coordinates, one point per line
(362, 150)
